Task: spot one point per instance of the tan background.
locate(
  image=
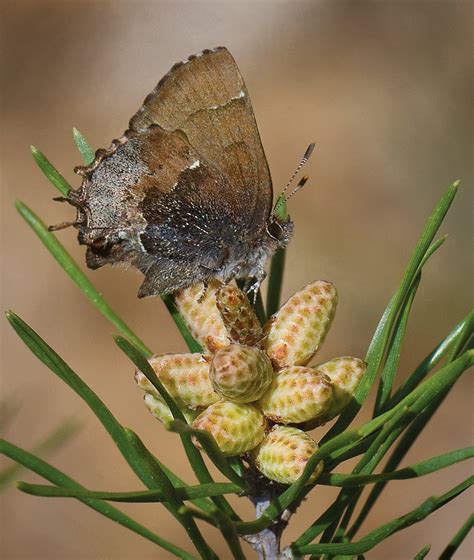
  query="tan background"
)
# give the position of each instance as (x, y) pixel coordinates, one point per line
(383, 87)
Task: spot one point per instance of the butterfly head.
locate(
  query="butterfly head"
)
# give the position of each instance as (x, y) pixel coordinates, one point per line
(280, 229)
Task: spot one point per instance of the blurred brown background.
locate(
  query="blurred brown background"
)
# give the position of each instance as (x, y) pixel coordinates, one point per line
(384, 88)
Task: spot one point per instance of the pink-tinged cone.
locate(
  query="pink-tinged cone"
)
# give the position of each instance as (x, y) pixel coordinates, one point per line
(297, 394)
(197, 306)
(238, 315)
(185, 377)
(283, 454)
(241, 373)
(295, 333)
(237, 428)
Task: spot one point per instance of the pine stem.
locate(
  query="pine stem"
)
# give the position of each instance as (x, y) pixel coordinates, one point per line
(266, 543)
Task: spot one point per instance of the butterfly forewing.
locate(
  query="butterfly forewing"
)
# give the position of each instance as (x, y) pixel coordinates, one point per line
(205, 97)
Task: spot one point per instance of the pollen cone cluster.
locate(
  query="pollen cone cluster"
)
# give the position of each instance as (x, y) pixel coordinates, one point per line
(253, 389)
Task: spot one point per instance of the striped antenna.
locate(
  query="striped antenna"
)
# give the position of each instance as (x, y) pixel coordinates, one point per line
(304, 159)
(283, 198)
(298, 187)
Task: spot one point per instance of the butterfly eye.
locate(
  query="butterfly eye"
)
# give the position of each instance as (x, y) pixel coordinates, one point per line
(99, 243)
(275, 230)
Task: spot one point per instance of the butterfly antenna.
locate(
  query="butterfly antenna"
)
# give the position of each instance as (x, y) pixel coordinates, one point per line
(298, 187)
(283, 198)
(304, 159)
(73, 202)
(62, 225)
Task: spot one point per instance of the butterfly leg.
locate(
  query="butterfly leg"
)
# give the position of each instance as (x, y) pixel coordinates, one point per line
(252, 285)
(203, 295)
(253, 291)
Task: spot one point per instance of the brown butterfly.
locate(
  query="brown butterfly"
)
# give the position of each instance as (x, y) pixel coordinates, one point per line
(185, 195)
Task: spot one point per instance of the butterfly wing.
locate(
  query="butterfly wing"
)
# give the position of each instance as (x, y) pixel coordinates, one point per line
(205, 97)
(185, 195)
(151, 202)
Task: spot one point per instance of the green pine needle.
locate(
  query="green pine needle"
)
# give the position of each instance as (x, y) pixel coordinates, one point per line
(387, 377)
(86, 151)
(422, 468)
(423, 553)
(458, 538)
(51, 172)
(277, 266)
(138, 497)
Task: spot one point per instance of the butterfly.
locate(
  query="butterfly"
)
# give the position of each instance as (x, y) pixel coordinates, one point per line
(185, 195)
